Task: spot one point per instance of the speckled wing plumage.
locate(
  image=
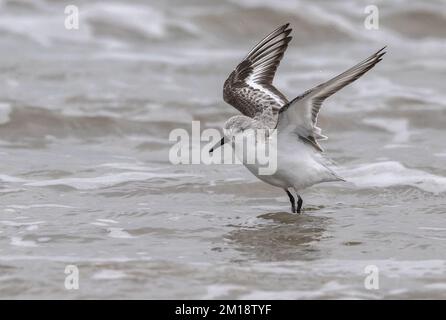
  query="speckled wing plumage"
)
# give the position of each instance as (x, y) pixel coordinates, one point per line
(300, 114)
(249, 87)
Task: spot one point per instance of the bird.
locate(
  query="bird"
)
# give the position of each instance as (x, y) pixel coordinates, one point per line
(301, 161)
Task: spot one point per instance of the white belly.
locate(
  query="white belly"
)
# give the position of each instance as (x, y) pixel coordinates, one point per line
(297, 164)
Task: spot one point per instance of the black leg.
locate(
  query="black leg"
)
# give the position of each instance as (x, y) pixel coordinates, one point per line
(299, 203)
(293, 203)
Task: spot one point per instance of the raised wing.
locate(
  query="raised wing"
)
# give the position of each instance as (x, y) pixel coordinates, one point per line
(249, 87)
(300, 114)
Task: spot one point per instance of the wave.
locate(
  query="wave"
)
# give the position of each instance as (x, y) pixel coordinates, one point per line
(21, 123)
(120, 24)
(391, 173)
(131, 173)
(92, 183)
(113, 24)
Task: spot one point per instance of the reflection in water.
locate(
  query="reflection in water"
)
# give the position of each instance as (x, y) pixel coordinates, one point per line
(284, 237)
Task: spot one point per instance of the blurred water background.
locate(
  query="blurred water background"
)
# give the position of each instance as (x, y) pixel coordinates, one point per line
(85, 177)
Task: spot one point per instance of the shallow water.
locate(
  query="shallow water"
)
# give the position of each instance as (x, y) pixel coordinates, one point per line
(85, 177)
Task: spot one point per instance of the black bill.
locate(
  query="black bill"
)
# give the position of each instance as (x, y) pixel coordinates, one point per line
(218, 144)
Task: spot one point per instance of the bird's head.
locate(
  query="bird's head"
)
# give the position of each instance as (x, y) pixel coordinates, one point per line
(233, 126)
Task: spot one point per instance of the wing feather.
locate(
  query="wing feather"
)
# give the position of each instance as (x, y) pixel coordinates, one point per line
(249, 87)
(300, 114)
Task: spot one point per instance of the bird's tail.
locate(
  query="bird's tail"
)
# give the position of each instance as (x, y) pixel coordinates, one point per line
(331, 166)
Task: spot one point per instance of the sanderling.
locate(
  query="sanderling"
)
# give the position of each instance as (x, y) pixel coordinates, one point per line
(249, 88)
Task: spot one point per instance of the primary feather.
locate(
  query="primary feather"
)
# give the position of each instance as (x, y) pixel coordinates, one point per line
(300, 114)
(249, 87)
